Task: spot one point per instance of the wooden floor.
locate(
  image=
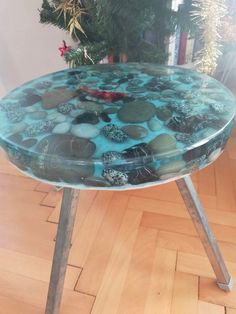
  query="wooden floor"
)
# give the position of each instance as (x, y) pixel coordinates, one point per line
(133, 252)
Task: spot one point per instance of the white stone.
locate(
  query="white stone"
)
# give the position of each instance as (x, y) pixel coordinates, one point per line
(85, 130)
(154, 124)
(61, 128)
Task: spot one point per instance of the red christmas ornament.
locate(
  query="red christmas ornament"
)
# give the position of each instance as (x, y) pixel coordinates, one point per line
(64, 49)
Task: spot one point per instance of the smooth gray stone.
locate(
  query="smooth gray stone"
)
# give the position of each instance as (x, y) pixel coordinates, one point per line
(136, 112)
(135, 131)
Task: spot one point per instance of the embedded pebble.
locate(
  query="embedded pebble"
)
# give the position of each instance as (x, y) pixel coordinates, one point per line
(38, 115)
(15, 138)
(135, 131)
(163, 143)
(154, 124)
(96, 181)
(18, 127)
(112, 157)
(15, 116)
(65, 108)
(85, 130)
(75, 113)
(116, 178)
(163, 113)
(215, 154)
(29, 142)
(56, 117)
(218, 107)
(30, 109)
(30, 99)
(39, 128)
(90, 106)
(61, 128)
(171, 167)
(57, 96)
(87, 117)
(136, 111)
(138, 154)
(113, 133)
(142, 175)
(104, 116)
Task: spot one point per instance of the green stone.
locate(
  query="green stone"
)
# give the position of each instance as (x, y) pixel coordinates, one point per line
(163, 143)
(136, 112)
(172, 167)
(163, 113)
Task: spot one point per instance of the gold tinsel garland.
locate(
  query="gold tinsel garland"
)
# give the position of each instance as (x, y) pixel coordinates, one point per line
(209, 14)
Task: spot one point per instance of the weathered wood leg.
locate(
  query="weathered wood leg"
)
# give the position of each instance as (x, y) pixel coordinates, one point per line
(62, 248)
(190, 197)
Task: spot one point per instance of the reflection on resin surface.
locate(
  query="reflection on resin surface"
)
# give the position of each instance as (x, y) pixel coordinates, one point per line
(116, 126)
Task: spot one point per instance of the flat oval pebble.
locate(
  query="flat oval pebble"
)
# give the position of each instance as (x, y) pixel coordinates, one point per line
(38, 115)
(154, 124)
(29, 142)
(65, 108)
(163, 143)
(136, 112)
(85, 130)
(59, 95)
(18, 127)
(62, 128)
(163, 113)
(87, 117)
(96, 181)
(135, 131)
(171, 167)
(112, 157)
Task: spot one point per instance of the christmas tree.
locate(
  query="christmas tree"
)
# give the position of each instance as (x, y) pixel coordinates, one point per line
(111, 27)
(134, 30)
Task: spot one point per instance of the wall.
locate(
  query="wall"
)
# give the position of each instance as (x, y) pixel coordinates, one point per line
(28, 48)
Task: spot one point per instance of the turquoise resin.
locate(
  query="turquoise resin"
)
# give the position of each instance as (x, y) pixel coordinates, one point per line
(116, 126)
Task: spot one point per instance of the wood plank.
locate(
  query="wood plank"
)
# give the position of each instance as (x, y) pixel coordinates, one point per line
(34, 292)
(185, 226)
(159, 192)
(179, 210)
(209, 308)
(206, 181)
(52, 198)
(230, 311)
(159, 295)
(10, 306)
(199, 265)
(34, 267)
(224, 186)
(91, 277)
(209, 292)
(86, 199)
(113, 283)
(20, 196)
(17, 182)
(136, 285)
(192, 245)
(88, 232)
(43, 187)
(185, 295)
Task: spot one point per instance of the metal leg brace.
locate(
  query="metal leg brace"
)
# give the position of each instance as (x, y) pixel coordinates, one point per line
(190, 197)
(62, 248)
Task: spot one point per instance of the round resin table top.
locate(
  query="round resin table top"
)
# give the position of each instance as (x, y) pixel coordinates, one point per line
(116, 126)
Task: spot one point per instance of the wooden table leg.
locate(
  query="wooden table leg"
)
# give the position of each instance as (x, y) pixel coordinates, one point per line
(62, 248)
(190, 197)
